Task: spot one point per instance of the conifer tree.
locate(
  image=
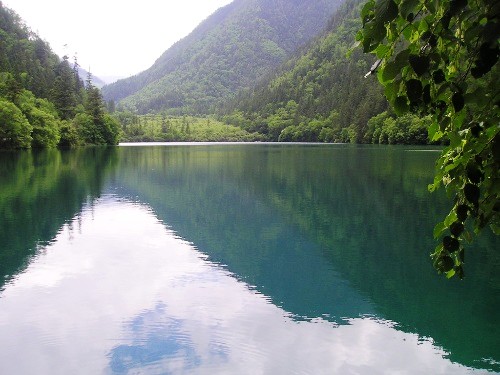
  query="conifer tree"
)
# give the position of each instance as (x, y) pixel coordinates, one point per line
(63, 93)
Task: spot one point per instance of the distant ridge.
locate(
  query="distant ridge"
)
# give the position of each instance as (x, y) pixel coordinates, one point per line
(230, 50)
(96, 81)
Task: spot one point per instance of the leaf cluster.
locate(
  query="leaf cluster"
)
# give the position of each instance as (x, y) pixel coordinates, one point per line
(441, 59)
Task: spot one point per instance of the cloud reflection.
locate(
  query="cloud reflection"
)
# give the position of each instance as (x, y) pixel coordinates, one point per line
(123, 294)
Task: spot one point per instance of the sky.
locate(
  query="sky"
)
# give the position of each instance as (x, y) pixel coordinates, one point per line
(113, 37)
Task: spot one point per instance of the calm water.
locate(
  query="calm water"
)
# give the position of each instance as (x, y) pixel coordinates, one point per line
(235, 259)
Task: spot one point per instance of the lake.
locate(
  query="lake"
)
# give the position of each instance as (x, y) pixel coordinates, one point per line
(236, 259)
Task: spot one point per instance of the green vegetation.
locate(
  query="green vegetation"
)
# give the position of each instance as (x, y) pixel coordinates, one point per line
(163, 128)
(230, 50)
(43, 101)
(441, 59)
(318, 95)
(408, 130)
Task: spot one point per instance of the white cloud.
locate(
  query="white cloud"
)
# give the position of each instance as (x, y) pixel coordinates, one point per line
(121, 290)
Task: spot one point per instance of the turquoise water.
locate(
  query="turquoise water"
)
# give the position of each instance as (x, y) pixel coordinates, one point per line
(237, 259)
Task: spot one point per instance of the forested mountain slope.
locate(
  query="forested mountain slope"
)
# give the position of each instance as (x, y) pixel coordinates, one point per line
(318, 95)
(43, 102)
(229, 51)
(25, 55)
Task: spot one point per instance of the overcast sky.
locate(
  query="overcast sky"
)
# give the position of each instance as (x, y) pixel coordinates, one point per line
(113, 37)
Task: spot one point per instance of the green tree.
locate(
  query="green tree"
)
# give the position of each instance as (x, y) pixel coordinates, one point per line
(9, 87)
(94, 105)
(87, 129)
(283, 118)
(43, 117)
(15, 130)
(95, 126)
(111, 129)
(69, 135)
(441, 58)
(63, 93)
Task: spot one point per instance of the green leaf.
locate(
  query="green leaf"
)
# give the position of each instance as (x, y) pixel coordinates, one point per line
(472, 193)
(432, 130)
(401, 58)
(391, 70)
(438, 76)
(458, 101)
(385, 11)
(414, 90)
(373, 34)
(392, 90)
(367, 8)
(477, 97)
(456, 6)
(450, 219)
(455, 139)
(427, 94)
(450, 274)
(457, 228)
(382, 50)
(431, 7)
(408, 7)
(419, 64)
(473, 32)
(423, 27)
(439, 229)
(401, 105)
(451, 244)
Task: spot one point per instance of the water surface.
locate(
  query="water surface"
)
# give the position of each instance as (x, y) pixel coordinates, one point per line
(249, 259)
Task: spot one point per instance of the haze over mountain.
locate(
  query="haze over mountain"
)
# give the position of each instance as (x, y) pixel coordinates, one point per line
(230, 50)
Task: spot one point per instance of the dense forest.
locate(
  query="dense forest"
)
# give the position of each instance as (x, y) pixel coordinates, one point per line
(43, 100)
(230, 50)
(321, 94)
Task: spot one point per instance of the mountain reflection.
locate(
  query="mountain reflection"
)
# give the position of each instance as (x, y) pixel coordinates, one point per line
(208, 258)
(332, 231)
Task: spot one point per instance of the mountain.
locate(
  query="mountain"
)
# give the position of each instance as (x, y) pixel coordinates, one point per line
(320, 94)
(110, 79)
(228, 51)
(96, 81)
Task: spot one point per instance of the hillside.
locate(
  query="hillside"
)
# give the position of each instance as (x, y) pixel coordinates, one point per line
(229, 51)
(318, 95)
(43, 102)
(25, 55)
